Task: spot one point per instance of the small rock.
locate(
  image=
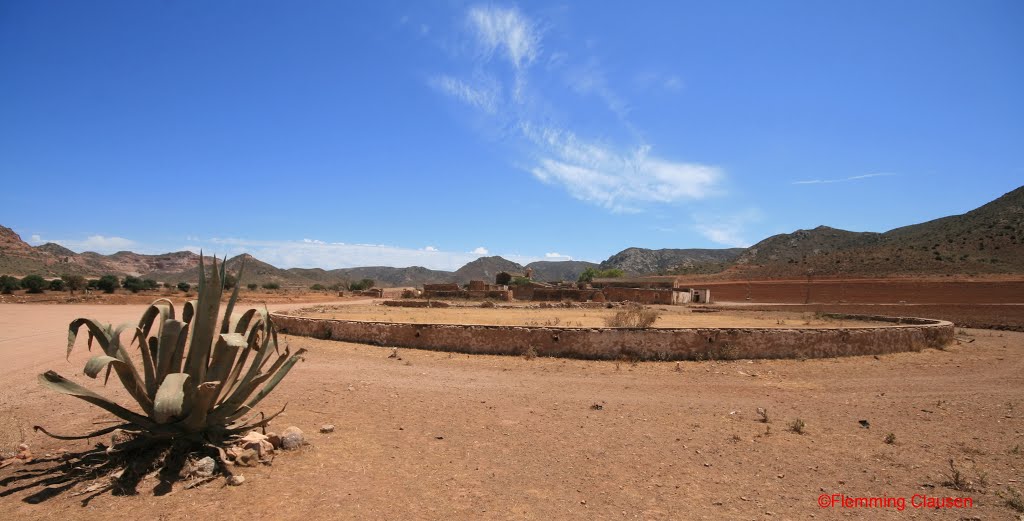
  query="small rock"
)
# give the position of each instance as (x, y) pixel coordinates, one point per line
(325, 429)
(274, 440)
(23, 447)
(350, 388)
(292, 438)
(247, 458)
(201, 468)
(236, 480)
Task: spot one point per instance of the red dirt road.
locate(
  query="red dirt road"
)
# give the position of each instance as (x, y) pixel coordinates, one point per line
(439, 436)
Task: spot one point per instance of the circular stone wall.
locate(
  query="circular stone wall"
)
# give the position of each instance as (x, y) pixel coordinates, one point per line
(905, 334)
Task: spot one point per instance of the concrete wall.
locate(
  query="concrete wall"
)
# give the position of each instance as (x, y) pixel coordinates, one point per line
(642, 344)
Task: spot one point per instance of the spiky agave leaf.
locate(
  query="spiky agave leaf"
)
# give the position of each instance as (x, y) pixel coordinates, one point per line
(202, 389)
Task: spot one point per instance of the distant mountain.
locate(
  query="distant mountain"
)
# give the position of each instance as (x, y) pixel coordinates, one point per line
(989, 239)
(395, 277)
(485, 268)
(641, 261)
(554, 271)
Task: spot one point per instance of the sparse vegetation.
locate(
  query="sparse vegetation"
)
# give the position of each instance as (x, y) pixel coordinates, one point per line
(798, 426)
(56, 285)
(590, 274)
(74, 283)
(362, 285)
(252, 286)
(107, 283)
(9, 284)
(634, 316)
(184, 287)
(1013, 499)
(34, 284)
(317, 287)
(133, 284)
(890, 439)
(271, 285)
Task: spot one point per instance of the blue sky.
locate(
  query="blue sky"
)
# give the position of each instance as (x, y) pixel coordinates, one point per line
(334, 134)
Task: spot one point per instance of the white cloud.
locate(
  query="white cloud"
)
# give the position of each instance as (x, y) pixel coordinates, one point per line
(96, 243)
(727, 230)
(557, 256)
(484, 97)
(616, 180)
(843, 180)
(480, 250)
(430, 248)
(313, 241)
(621, 177)
(505, 30)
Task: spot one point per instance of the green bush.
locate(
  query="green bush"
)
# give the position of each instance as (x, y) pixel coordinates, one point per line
(230, 281)
(184, 287)
(252, 285)
(107, 283)
(74, 282)
(317, 287)
(92, 284)
(8, 284)
(271, 285)
(133, 284)
(590, 274)
(150, 284)
(56, 285)
(362, 284)
(34, 284)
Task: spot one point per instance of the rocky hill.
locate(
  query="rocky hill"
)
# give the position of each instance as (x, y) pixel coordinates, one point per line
(989, 239)
(554, 271)
(485, 268)
(640, 261)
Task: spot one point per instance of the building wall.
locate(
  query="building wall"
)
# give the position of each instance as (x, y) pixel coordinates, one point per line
(906, 334)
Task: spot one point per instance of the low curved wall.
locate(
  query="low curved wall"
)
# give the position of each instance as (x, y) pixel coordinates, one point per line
(906, 334)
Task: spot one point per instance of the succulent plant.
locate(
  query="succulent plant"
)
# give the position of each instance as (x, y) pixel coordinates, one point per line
(204, 394)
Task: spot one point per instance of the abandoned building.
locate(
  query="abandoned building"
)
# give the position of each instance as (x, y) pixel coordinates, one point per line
(477, 289)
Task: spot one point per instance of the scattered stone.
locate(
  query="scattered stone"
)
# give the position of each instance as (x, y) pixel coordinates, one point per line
(325, 429)
(259, 443)
(274, 440)
(201, 468)
(292, 438)
(236, 480)
(865, 424)
(247, 458)
(597, 407)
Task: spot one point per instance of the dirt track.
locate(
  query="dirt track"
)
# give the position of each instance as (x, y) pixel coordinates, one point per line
(434, 436)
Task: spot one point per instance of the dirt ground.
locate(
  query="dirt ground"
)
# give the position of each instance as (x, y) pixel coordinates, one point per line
(527, 315)
(439, 436)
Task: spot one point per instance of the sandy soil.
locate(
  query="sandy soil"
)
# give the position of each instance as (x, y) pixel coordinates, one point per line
(441, 436)
(505, 315)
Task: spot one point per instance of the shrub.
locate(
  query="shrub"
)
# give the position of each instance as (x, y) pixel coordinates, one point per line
(184, 287)
(520, 281)
(362, 284)
(271, 285)
(150, 284)
(8, 284)
(633, 316)
(317, 287)
(133, 284)
(590, 274)
(193, 400)
(73, 282)
(107, 283)
(34, 283)
(92, 284)
(56, 285)
(798, 426)
(230, 281)
(252, 285)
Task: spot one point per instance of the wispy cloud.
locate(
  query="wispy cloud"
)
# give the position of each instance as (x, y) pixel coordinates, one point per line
(619, 176)
(556, 256)
(480, 251)
(843, 180)
(727, 230)
(482, 96)
(505, 30)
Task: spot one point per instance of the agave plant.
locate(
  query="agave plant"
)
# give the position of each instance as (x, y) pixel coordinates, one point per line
(204, 394)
